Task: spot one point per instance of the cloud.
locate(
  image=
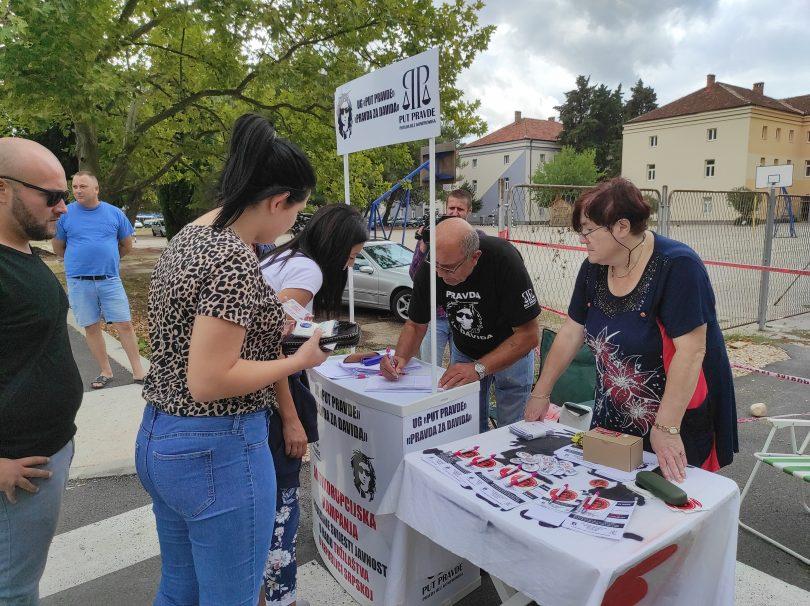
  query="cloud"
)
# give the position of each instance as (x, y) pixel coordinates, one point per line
(541, 46)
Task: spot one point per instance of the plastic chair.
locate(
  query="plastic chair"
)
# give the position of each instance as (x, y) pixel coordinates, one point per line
(796, 464)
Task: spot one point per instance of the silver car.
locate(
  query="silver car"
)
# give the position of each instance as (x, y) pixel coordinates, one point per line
(381, 279)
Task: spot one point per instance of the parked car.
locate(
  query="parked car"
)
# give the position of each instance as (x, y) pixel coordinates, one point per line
(137, 224)
(158, 228)
(146, 219)
(381, 279)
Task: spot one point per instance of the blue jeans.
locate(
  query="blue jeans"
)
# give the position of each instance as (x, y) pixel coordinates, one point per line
(92, 299)
(280, 571)
(26, 531)
(512, 388)
(213, 489)
(444, 337)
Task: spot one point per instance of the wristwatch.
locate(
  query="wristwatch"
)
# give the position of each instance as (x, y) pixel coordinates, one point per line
(481, 370)
(674, 429)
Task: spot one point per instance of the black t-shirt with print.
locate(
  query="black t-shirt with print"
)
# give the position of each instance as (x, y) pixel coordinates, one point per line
(496, 297)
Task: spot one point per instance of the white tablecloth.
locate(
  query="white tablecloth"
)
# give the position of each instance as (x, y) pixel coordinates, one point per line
(667, 558)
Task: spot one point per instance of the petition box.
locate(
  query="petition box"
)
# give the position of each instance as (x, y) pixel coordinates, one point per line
(612, 448)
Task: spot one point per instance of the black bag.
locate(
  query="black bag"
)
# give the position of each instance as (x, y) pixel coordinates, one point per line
(346, 334)
(288, 468)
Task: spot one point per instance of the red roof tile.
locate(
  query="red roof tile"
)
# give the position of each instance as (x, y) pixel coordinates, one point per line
(801, 103)
(525, 128)
(716, 97)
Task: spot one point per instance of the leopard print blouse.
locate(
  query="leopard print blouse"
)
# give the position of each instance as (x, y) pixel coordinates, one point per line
(205, 272)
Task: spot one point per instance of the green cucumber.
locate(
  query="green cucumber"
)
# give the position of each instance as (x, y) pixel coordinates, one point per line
(661, 488)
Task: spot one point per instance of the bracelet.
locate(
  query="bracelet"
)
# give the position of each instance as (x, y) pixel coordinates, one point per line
(543, 396)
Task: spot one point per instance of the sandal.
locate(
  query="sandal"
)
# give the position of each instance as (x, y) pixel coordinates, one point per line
(100, 382)
(138, 381)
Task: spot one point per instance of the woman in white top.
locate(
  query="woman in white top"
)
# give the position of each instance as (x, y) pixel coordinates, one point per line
(312, 268)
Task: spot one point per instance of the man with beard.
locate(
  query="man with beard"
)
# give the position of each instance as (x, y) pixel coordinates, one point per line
(40, 387)
(492, 310)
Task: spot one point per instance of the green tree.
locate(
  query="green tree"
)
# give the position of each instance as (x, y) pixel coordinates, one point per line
(744, 201)
(149, 88)
(568, 167)
(642, 100)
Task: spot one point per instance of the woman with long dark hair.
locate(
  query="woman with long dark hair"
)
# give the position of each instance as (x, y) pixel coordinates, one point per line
(312, 268)
(216, 373)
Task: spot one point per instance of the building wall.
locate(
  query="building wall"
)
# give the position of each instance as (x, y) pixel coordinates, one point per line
(683, 148)
(524, 158)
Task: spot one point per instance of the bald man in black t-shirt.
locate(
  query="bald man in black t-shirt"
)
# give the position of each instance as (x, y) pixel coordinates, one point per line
(492, 310)
(40, 386)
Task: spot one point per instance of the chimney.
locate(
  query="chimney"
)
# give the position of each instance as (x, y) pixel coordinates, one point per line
(518, 116)
(759, 88)
(552, 119)
(709, 80)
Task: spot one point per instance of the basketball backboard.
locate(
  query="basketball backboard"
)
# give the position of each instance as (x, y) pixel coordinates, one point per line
(778, 175)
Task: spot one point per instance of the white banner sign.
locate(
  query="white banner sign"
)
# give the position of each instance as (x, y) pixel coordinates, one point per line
(394, 104)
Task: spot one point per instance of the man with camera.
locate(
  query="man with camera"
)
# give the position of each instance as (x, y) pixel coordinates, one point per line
(492, 311)
(459, 204)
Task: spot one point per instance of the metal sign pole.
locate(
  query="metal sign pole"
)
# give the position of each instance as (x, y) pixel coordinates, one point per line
(347, 193)
(432, 177)
(766, 260)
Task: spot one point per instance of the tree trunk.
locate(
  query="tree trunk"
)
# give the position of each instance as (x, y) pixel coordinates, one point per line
(87, 147)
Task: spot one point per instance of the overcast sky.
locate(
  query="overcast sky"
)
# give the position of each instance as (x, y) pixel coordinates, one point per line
(540, 46)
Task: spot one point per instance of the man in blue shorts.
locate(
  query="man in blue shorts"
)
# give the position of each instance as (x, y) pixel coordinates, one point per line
(93, 236)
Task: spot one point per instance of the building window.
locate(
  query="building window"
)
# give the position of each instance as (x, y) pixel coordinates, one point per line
(506, 159)
(707, 205)
(708, 170)
(789, 161)
(807, 168)
(775, 161)
(475, 162)
(506, 183)
(651, 172)
(542, 158)
(762, 161)
(764, 132)
(475, 185)
(790, 136)
(711, 134)
(808, 136)
(654, 141)
(778, 134)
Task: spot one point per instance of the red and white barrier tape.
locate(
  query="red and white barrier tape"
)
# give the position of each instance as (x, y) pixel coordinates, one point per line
(779, 270)
(762, 371)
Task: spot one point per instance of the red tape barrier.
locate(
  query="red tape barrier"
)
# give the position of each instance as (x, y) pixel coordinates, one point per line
(779, 270)
(762, 371)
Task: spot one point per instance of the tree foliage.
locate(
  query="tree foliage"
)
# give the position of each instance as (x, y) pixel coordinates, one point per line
(743, 200)
(150, 88)
(569, 167)
(592, 117)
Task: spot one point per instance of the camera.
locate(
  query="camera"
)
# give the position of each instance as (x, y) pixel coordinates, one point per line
(424, 225)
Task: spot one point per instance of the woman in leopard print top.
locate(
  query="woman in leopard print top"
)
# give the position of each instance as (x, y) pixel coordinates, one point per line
(217, 373)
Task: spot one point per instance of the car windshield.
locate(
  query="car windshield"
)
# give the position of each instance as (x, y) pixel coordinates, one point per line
(389, 255)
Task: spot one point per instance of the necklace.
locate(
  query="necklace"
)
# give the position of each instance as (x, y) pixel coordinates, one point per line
(633, 266)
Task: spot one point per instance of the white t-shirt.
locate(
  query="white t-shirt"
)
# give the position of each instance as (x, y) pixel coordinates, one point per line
(297, 272)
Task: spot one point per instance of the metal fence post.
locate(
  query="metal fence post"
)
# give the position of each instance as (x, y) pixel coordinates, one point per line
(766, 260)
(663, 212)
(502, 211)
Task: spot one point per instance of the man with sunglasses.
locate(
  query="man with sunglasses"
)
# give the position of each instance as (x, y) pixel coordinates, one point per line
(40, 386)
(93, 236)
(492, 310)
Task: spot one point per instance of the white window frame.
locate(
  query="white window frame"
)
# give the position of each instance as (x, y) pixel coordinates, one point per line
(708, 205)
(711, 134)
(542, 158)
(653, 140)
(709, 167)
(778, 134)
(762, 161)
(791, 134)
(475, 162)
(765, 133)
(506, 158)
(475, 185)
(651, 172)
(506, 184)
(807, 168)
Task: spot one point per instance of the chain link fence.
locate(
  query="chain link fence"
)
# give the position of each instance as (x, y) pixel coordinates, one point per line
(722, 227)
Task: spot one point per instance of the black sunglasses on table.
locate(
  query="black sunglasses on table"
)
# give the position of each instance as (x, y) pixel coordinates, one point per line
(54, 196)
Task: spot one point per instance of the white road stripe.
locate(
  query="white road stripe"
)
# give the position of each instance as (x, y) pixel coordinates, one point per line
(89, 552)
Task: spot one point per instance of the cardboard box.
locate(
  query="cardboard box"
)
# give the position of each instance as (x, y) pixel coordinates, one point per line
(612, 448)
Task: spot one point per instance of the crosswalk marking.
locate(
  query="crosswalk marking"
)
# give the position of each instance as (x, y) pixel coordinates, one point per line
(116, 543)
(89, 552)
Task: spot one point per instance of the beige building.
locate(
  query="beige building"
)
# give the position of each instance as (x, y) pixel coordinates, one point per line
(507, 157)
(714, 138)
